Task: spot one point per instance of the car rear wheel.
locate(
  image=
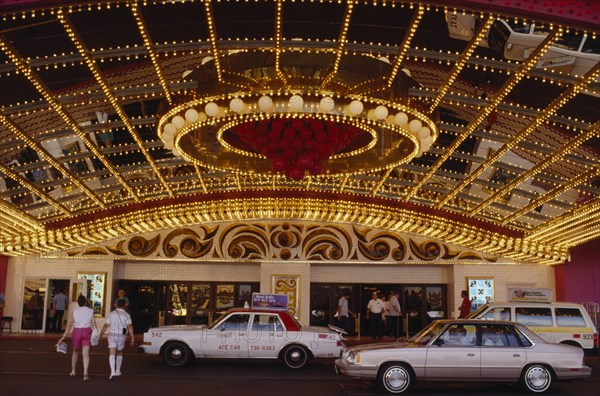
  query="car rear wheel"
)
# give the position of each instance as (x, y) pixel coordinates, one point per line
(176, 354)
(395, 378)
(295, 357)
(536, 378)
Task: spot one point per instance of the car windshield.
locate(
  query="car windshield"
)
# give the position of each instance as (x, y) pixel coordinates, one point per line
(219, 320)
(475, 314)
(428, 333)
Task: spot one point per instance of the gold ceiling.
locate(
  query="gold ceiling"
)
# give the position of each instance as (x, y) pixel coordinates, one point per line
(515, 169)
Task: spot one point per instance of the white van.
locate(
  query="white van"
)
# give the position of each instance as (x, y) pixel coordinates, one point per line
(560, 322)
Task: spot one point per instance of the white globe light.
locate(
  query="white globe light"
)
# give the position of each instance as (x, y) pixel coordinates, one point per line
(356, 107)
(401, 118)
(265, 103)
(419, 154)
(371, 114)
(390, 119)
(169, 144)
(424, 133)
(236, 105)
(191, 115)
(327, 104)
(296, 103)
(381, 112)
(176, 152)
(427, 142)
(169, 129)
(211, 109)
(178, 121)
(202, 116)
(415, 125)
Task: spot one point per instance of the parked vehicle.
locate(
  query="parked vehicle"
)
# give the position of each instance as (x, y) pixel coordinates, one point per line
(466, 350)
(574, 53)
(245, 333)
(561, 322)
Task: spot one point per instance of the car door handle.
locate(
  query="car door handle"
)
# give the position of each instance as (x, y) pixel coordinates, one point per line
(516, 355)
(470, 354)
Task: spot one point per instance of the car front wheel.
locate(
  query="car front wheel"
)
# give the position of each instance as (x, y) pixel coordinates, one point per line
(176, 354)
(536, 378)
(395, 378)
(295, 357)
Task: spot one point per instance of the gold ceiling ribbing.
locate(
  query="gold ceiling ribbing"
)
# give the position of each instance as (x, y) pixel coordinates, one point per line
(101, 80)
(486, 111)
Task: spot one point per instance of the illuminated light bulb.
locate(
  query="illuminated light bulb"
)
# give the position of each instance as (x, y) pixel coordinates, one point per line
(169, 129)
(176, 152)
(424, 133)
(236, 105)
(327, 104)
(265, 103)
(178, 121)
(390, 119)
(191, 115)
(381, 112)
(356, 107)
(415, 125)
(211, 109)
(401, 118)
(296, 103)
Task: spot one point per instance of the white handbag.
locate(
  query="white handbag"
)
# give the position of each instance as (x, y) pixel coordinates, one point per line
(95, 339)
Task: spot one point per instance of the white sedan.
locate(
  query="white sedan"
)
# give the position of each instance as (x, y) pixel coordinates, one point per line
(466, 350)
(245, 333)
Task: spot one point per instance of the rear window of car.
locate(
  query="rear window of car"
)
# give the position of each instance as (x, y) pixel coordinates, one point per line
(268, 323)
(534, 316)
(569, 317)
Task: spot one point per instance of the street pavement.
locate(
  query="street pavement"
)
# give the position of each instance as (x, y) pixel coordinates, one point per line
(31, 366)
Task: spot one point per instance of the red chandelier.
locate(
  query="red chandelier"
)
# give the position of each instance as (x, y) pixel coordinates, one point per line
(296, 146)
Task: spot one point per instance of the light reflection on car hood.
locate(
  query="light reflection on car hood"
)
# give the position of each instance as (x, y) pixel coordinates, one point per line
(178, 328)
(376, 347)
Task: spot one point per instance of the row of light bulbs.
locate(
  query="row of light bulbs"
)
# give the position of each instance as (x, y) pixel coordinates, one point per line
(296, 104)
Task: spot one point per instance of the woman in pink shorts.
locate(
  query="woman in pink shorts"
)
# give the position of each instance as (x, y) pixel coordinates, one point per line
(82, 321)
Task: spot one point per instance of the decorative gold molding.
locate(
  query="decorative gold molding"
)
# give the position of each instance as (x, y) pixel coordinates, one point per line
(284, 242)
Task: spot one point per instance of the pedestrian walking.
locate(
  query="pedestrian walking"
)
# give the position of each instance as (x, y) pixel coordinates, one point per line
(118, 323)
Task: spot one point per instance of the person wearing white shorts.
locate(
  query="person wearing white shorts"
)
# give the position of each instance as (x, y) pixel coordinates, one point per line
(118, 323)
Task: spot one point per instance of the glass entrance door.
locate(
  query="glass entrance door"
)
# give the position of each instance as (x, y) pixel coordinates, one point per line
(34, 305)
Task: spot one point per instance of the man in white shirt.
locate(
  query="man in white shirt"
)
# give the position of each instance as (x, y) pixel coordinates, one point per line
(118, 323)
(343, 311)
(60, 302)
(394, 314)
(375, 312)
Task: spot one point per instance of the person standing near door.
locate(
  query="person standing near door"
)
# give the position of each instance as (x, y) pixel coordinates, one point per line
(394, 315)
(465, 308)
(60, 302)
(343, 311)
(375, 312)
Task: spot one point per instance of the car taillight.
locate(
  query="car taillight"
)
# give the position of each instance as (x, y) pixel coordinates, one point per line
(340, 343)
(595, 340)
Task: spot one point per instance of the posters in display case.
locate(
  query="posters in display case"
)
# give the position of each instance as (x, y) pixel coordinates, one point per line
(96, 290)
(481, 290)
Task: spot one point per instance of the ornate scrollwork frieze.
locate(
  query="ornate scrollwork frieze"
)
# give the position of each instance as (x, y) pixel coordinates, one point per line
(283, 241)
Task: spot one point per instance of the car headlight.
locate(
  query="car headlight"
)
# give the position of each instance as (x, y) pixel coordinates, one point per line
(351, 357)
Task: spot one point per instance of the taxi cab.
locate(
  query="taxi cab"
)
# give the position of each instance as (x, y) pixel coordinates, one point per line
(245, 333)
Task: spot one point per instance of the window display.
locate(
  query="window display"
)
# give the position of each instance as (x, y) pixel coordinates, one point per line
(96, 290)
